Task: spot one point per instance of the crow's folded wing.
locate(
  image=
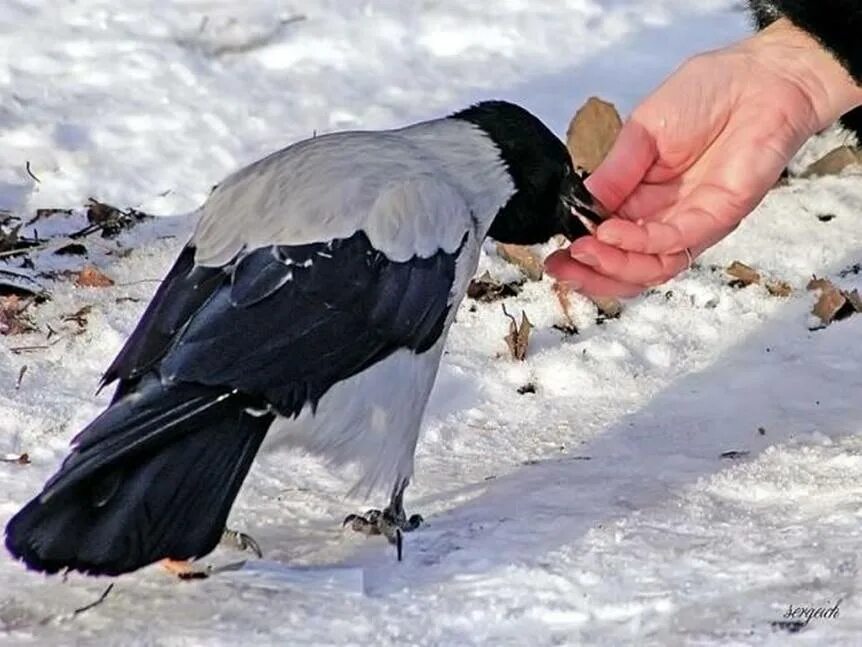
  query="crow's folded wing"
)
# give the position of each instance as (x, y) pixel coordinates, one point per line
(286, 322)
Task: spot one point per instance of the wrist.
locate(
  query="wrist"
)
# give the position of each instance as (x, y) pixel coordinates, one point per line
(801, 58)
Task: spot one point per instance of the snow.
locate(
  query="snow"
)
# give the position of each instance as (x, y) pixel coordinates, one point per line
(597, 510)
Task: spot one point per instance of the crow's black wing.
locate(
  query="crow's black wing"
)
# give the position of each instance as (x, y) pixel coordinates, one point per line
(287, 322)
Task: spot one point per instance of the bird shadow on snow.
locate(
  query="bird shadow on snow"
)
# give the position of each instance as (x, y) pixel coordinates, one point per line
(798, 388)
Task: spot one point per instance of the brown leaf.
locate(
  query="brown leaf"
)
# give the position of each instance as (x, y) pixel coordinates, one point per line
(609, 308)
(819, 284)
(486, 289)
(523, 257)
(109, 219)
(91, 277)
(79, 316)
(519, 335)
(13, 320)
(829, 305)
(833, 304)
(561, 291)
(743, 273)
(592, 132)
(854, 299)
(778, 288)
(833, 162)
(99, 213)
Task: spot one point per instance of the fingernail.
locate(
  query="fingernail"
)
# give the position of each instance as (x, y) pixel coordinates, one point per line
(585, 258)
(608, 237)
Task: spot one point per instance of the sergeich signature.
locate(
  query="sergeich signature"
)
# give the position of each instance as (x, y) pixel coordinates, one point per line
(805, 614)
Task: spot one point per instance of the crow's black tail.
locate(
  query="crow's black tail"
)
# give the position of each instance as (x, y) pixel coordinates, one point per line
(153, 477)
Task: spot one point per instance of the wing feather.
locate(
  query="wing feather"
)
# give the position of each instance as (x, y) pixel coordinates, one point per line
(287, 322)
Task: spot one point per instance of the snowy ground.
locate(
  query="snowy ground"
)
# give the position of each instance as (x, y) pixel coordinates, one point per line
(597, 510)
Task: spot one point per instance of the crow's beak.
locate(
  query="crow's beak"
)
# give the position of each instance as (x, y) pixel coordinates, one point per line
(579, 204)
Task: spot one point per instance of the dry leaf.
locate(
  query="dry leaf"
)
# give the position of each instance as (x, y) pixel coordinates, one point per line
(609, 308)
(592, 132)
(79, 316)
(778, 288)
(91, 277)
(109, 219)
(819, 284)
(743, 273)
(562, 293)
(486, 289)
(833, 304)
(13, 320)
(829, 305)
(519, 335)
(834, 162)
(854, 299)
(523, 257)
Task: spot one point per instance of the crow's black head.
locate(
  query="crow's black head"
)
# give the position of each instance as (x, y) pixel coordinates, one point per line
(550, 197)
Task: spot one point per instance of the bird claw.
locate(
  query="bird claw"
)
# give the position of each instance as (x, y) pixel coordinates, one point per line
(376, 522)
(241, 541)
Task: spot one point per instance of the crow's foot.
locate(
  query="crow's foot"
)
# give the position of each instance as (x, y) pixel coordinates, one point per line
(240, 541)
(391, 522)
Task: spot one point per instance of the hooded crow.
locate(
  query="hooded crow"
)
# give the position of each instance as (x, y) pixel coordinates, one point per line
(312, 301)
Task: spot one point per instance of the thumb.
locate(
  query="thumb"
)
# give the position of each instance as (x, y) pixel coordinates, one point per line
(625, 166)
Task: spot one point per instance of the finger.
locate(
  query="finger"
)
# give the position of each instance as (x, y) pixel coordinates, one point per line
(708, 213)
(586, 281)
(631, 156)
(649, 201)
(625, 266)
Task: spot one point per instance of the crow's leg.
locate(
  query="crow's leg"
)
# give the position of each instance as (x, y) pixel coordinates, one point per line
(184, 570)
(391, 522)
(240, 541)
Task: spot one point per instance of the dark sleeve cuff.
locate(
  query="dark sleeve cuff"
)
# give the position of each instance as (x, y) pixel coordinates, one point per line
(837, 24)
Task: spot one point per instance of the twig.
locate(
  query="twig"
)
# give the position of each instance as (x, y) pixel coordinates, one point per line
(125, 285)
(20, 377)
(20, 459)
(86, 231)
(27, 349)
(101, 599)
(506, 312)
(30, 173)
(71, 616)
(27, 250)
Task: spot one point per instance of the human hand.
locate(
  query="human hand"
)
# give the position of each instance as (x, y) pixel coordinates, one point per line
(699, 154)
